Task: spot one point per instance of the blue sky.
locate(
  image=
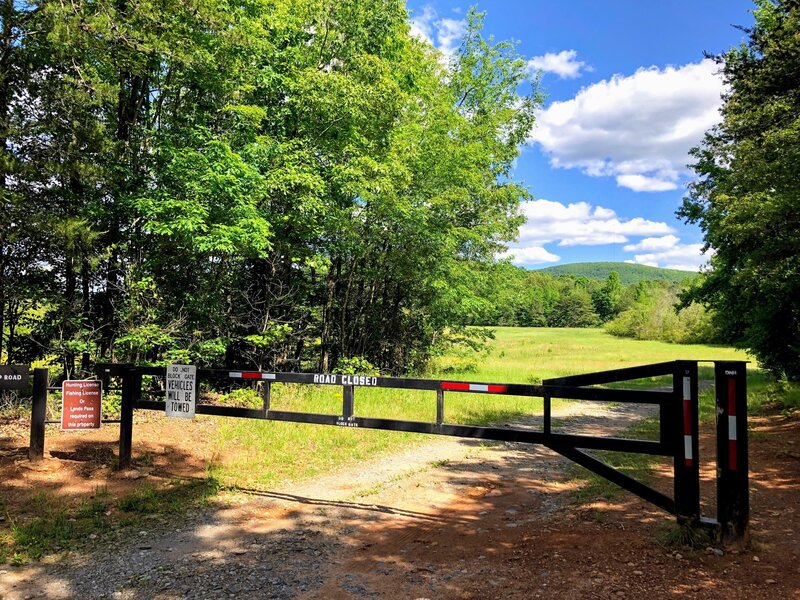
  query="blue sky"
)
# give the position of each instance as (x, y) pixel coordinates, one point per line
(628, 94)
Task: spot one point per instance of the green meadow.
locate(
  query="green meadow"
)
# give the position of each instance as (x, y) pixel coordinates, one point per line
(257, 454)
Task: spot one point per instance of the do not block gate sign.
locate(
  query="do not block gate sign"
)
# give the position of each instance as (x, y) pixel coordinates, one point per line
(181, 391)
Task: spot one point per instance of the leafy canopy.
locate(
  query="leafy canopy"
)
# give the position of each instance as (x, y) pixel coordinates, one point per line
(747, 199)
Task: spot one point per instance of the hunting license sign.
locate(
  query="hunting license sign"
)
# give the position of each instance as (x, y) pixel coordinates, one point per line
(81, 404)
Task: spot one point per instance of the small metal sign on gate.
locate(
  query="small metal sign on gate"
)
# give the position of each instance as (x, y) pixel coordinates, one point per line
(81, 404)
(181, 383)
(13, 377)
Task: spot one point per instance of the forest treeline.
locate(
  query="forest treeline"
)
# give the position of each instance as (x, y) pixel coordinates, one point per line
(287, 184)
(277, 184)
(646, 310)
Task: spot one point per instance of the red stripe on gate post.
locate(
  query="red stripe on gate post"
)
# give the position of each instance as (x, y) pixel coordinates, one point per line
(732, 462)
(687, 421)
(454, 386)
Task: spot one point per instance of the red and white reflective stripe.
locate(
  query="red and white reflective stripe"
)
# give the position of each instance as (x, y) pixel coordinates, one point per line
(687, 421)
(250, 375)
(732, 458)
(474, 387)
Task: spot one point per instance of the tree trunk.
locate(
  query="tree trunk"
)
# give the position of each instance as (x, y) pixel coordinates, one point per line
(85, 358)
(67, 326)
(327, 316)
(6, 48)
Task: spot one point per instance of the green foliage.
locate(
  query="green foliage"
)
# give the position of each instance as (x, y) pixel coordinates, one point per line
(247, 397)
(357, 365)
(653, 313)
(574, 309)
(628, 273)
(283, 185)
(143, 500)
(746, 199)
(606, 299)
(767, 394)
(508, 295)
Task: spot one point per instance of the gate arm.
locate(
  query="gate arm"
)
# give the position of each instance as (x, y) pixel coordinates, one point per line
(624, 481)
(625, 374)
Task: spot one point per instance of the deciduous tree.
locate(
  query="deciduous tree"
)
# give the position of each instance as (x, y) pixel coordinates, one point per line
(747, 199)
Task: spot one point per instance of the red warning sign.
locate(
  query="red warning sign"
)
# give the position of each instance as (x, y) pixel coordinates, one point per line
(81, 405)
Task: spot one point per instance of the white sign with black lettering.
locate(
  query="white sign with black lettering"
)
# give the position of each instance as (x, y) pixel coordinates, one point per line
(181, 391)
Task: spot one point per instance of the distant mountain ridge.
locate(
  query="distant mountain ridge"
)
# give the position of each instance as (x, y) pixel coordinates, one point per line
(628, 273)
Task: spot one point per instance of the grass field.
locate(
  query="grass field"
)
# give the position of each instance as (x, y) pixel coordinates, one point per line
(268, 452)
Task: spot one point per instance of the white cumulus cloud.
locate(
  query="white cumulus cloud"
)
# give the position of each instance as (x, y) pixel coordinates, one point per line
(422, 24)
(668, 251)
(565, 64)
(637, 128)
(653, 243)
(532, 255)
(641, 183)
(576, 224)
(442, 33)
(581, 224)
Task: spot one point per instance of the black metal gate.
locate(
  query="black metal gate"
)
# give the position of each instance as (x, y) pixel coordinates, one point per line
(677, 408)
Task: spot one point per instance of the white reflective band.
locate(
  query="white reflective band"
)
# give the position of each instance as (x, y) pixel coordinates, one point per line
(687, 446)
(268, 376)
(477, 387)
(732, 428)
(687, 388)
(235, 374)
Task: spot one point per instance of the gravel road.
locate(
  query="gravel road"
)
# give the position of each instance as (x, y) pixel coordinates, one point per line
(302, 540)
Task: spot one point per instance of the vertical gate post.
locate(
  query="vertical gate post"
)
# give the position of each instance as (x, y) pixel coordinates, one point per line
(733, 494)
(439, 406)
(347, 401)
(686, 441)
(38, 414)
(266, 396)
(548, 414)
(126, 418)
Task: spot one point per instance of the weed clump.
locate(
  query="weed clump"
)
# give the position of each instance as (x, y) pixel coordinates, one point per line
(675, 536)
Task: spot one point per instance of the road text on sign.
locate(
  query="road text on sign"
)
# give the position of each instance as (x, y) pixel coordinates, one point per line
(345, 379)
(81, 405)
(13, 377)
(181, 391)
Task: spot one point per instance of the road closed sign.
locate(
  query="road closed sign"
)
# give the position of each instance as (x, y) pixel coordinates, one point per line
(81, 405)
(13, 377)
(181, 391)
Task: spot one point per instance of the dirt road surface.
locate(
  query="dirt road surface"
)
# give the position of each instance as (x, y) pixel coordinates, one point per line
(450, 519)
